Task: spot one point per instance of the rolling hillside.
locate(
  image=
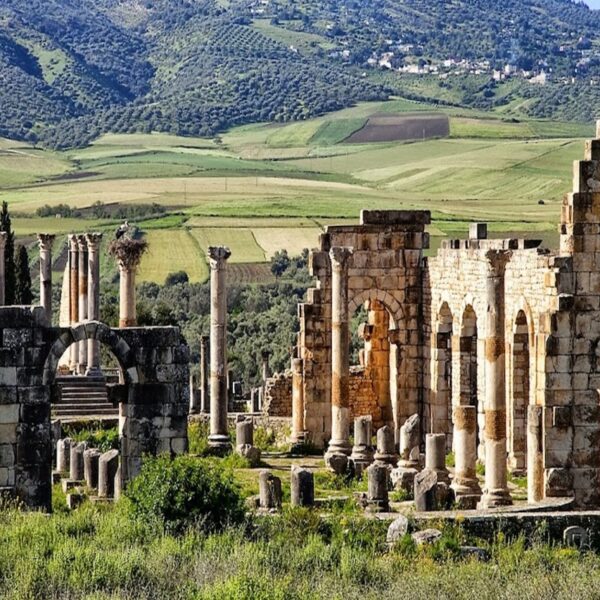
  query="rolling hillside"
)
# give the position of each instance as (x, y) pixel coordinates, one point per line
(75, 70)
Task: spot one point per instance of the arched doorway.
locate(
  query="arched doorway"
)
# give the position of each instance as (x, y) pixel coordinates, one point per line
(441, 408)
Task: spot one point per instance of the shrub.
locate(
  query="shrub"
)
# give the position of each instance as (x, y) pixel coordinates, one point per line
(96, 437)
(176, 493)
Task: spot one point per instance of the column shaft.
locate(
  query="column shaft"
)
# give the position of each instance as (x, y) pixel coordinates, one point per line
(127, 311)
(298, 430)
(3, 236)
(204, 371)
(465, 482)
(93, 297)
(83, 298)
(46, 241)
(74, 297)
(496, 489)
(219, 437)
(340, 354)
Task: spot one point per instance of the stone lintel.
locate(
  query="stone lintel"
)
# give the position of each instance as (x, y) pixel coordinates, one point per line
(395, 217)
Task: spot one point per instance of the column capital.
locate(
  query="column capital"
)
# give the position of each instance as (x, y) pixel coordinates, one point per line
(128, 252)
(82, 242)
(93, 241)
(218, 255)
(497, 261)
(73, 242)
(46, 241)
(339, 255)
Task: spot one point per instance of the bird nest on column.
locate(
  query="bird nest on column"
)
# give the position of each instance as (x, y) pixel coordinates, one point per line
(127, 251)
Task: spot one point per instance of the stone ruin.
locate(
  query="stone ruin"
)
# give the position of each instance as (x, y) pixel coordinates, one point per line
(493, 342)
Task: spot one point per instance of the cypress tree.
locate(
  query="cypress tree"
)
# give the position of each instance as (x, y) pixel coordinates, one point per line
(9, 256)
(23, 290)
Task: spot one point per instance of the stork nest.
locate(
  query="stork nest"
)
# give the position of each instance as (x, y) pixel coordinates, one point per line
(127, 251)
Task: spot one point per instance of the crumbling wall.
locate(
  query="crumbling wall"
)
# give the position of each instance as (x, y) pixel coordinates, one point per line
(277, 401)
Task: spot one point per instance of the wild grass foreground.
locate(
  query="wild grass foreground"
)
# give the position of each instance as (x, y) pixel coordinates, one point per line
(103, 552)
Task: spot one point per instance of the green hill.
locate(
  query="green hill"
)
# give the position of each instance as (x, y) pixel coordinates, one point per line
(72, 71)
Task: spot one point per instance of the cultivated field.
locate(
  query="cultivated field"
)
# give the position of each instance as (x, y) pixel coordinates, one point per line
(262, 188)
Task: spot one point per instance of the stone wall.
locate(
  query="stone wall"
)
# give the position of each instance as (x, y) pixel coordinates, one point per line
(277, 400)
(153, 400)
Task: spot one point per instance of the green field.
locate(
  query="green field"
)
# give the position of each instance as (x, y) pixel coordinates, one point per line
(262, 188)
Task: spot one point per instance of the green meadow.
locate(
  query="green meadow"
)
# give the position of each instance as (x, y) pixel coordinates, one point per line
(262, 188)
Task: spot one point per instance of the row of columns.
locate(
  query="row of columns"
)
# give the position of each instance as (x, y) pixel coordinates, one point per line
(84, 297)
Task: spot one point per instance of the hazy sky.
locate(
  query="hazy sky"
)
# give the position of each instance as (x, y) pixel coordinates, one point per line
(593, 3)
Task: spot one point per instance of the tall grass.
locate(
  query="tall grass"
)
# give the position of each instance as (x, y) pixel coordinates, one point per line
(101, 553)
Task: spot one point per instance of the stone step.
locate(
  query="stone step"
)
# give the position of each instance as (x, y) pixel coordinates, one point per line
(84, 394)
(78, 412)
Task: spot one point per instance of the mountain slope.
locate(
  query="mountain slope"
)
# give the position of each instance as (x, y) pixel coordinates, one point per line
(73, 69)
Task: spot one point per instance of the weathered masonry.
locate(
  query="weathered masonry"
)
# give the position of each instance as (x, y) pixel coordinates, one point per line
(503, 326)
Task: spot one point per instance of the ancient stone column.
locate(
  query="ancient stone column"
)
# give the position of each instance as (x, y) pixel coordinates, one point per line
(93, 297)
(204, 370)
(269, 490)
(535, 454)
(74, 298)
(340, 351)
(302, 487)
(3, 236)
(76, 467)
(265, 354)
(91, 465)
(378, 483)
(108, 466)
(435, 456)
(46, 240)
(386, 446)
(218, 438)
(362, 451)
(128, 253)
(496, 489)
(464, 483)
(83, 298)
(298, 431)
(63, 455)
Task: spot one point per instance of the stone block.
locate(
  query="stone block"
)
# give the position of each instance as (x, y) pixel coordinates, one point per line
(107, 470)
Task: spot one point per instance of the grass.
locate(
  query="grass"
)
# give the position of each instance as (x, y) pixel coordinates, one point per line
(171, 250)
(242, 243)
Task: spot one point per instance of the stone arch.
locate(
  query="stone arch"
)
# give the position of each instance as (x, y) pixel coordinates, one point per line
(92, 330)
(392, 305)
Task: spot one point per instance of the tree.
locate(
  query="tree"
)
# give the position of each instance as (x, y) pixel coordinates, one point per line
(9, 256)
(23, 293)
(280, 262)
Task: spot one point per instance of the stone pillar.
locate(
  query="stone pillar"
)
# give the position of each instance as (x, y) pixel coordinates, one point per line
(83, 298)
(74, 297)
(63, 455)
(265, 354)
(269, 490)
(91, 464)
(46, 240)
(362, 451)
(204, 370)
(302, 487)
(76, 467)
(465, 484)
(298, 430)
(535, 455)
(435, 456)
(93, 297)
(218, 438)
(108, 467)
(3, 236)
(340, 351)
(378, 484)
(386, 446)
(496, 489)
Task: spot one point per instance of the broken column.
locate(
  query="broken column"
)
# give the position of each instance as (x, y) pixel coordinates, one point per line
(302, 487)
(535, 454)
(93, 298)
(408, 466)
(108, 466)
(244, 440)
(3, 236)
(269, 489)
(435, 456)
(76, 466)
(386, 446)
(362, 451)
(74, 298)
(218, 438)
(298, 431)
(340, 359)
(83, 298)
(45, 241)
(496, 489)
(204, 370)
(63, 455)
(378, 484)
(265, 354)
(91, 464)
(465, 483)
